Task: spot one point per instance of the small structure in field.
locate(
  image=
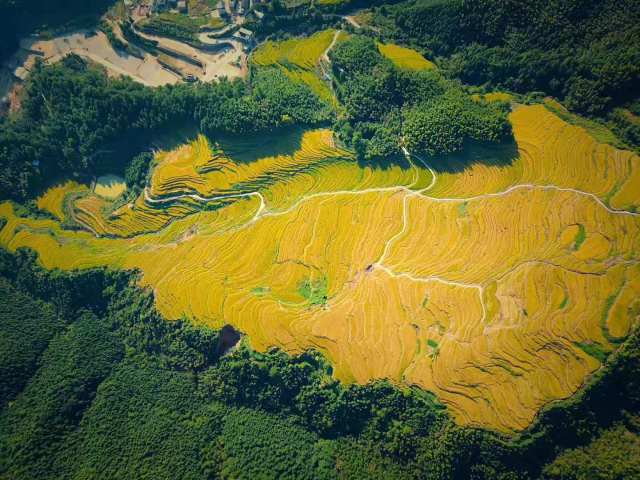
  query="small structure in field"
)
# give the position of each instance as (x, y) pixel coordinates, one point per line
(244, 35)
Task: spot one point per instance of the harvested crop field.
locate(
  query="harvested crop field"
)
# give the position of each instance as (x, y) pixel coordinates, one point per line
(498, 285)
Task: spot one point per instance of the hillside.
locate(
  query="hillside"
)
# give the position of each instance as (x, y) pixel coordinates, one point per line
(376, 254)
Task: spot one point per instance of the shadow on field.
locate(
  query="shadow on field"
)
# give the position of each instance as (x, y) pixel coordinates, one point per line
(385, 163)
(173, 138)
(492, 154)
(251, 147)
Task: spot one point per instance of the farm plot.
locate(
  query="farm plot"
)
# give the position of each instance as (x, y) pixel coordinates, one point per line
(498, 287)
(549, 152)
(110, 186)
(53, 201)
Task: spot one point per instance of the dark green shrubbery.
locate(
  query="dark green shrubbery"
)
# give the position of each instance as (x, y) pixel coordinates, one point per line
(387, 107)
(21, 17)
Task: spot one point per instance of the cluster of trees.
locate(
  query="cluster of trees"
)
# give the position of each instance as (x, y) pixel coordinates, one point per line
(114, 40)
(86, 349)
(386, 107)
(585, 53)
(76, 121)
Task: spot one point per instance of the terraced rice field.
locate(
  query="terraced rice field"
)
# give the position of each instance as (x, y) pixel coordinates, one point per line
(299, 58)
(499, 285)
(53, 201)
(405, 58)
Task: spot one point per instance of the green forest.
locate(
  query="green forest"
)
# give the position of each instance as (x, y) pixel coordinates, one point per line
(99, 385)
(386, 106)
(95, 383)
(584, 52)
(22, 17)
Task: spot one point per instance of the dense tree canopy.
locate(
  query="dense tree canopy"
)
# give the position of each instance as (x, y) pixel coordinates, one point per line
(20, 17)
(387, 107)
(584, 52)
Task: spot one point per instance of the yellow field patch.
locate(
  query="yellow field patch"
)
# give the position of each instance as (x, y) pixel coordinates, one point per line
(405, 58)
(498, 287)
(549, 151)
(53, 199)
(493, 97)
(300, 52)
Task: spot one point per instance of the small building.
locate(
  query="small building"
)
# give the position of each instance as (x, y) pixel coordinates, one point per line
(182, 6)
(244, 35)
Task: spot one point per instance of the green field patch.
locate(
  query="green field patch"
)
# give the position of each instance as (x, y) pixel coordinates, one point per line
(581, 236)
(564, 302)
(179, 26)
(462, 209)
(315, 292)
(425, 301)
(594, 350)
(260, 291)
(434, 348)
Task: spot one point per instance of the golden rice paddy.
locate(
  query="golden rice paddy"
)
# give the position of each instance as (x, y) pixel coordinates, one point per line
(498, 286)
(405, 58)
(54, 199)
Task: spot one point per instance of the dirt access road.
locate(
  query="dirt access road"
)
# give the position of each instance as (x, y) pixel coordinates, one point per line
(94, 47)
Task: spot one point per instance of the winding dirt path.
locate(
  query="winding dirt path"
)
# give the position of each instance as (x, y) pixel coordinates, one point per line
(263, 211)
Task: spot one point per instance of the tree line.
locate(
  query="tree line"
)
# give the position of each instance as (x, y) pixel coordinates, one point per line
(19, 18)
